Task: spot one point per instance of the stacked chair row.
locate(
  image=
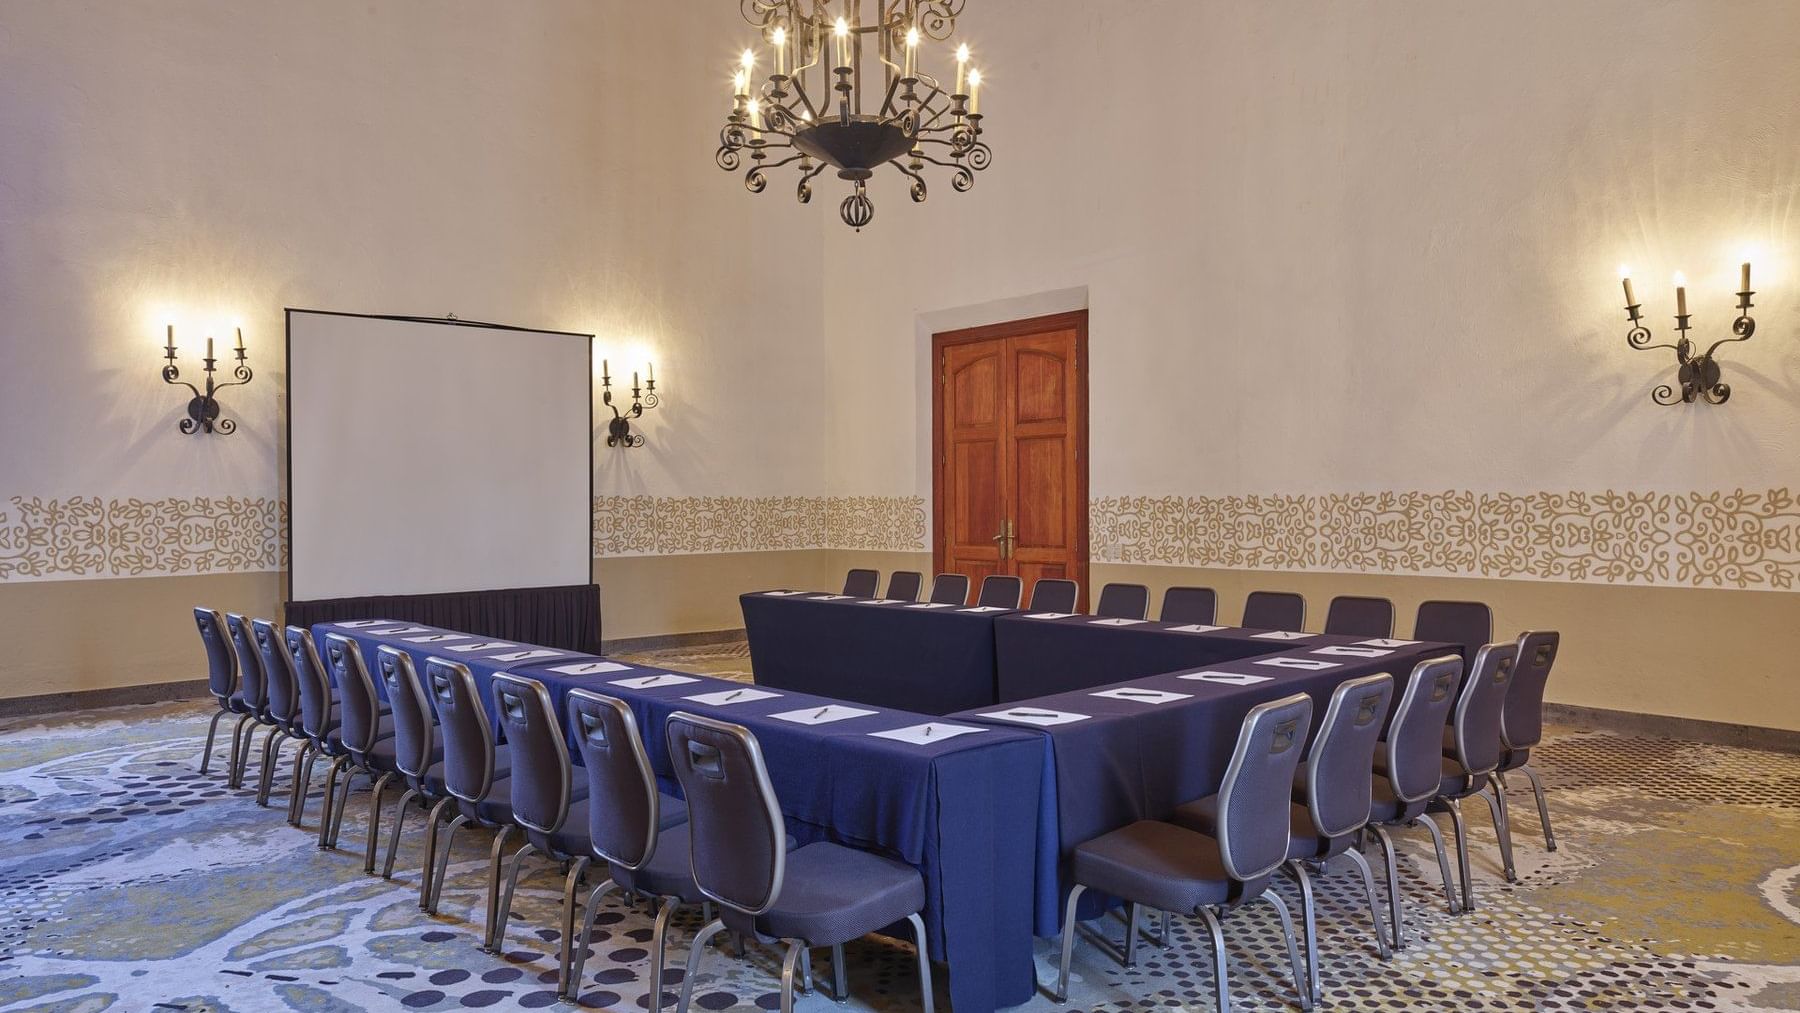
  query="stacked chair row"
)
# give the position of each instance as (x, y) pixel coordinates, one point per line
(726, 845)
(1372, 766)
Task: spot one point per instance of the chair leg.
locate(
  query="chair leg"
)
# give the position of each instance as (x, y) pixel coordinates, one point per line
(443, 864)
(1395, 919)
(1437, 841)
(805, 968)
(243, 762)
(387, 865)
(1502, 825)
(1308, 917)
(840, 981)
(432, 821)
(578, 946)
(1287, 932)
(331, 776)
(1368, 876)
(925, 987)
(502, 912)
(374, 835)
(1221, 973)
(789, 963)
(237, 749)
(695, 953)
(1163, 942)
(212, 728)
(1131, 934)
(1068, 944)
(571, 884)
(1462, 855)
(1537, 788)
(270, 754)
(493, 886)
(659, 942)
(343, 802)
(302, 781)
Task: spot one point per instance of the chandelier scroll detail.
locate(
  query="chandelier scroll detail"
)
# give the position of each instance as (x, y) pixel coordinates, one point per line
(846, 91)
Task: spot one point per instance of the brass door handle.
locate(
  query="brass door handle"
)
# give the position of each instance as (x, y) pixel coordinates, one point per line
(1005, 538)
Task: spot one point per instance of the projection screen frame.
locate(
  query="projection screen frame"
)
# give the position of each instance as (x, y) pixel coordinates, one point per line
(287, 414)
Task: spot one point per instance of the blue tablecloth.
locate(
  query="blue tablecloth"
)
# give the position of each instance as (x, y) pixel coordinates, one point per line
(962, 810)
(925, 659)
(1129, 759)
(1036, 657)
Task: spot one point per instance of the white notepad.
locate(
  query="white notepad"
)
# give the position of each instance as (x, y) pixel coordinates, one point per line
(782, 594)
(436, 638)
(1116, 622)
(1050, 615)
(589, 668)
(1227, 678)
(399, 630)
(1196, 628)
(823, 715)
(730, 696)
(486, 645)
(357, 624)
(653, 681)
(1305, 664)
(1283, 635)
(1387, 642)
(536, 652)
(1135, 695)
(983, 608)
(1354, 652)
(1037, 716)
(927, 733)
(932, 605)
(828, 597)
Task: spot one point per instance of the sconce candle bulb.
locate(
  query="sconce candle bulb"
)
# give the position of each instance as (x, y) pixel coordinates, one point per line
(203, 407)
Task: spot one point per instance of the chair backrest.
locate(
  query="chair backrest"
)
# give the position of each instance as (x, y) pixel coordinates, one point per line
(1053, 594)
(623, 803)
(1124, 601)
(904, 585)
(1355, 616)
(1258, 789)
(360, 716)
(278, 671)
(221, 657)
(414, 728)
(1001, 590)
(1337, 765)
(1274, 610)
(468, 734)
(1415, 738)
(862, 583)
(1469, 624)
(735, 828)
(540, 758)
(1475, 726)
(253, 685)
(313, 684)
(1522, 722)
(1190, 605)
(950, 589)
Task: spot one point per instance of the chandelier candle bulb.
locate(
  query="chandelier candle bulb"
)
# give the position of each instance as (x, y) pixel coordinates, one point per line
(779, 41)
(240, 342)
(975, 92)
(209, 354)
(1680, 294)
(169, 349)
(841, 35)
(912, 53)
(1744, 285)
(962, 64)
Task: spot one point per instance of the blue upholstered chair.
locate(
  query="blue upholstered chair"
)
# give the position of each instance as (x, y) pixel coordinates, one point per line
(418, 758)
(1522, 722)
(284, 701)
(1468, 624)
(904, 585)
(318, 720)
(253, 691)
(1408, 769)
(1356, 616)
(1190, 605)
(950, 589)
(639, 833)
(1124, 601)
(1472, 753)
(1001, 590)
(368, 740)
(221, 682)
(1274, 610)
(1173, 868)
(862, 583)
(820, 895)
(1053, 594)
(477, 782)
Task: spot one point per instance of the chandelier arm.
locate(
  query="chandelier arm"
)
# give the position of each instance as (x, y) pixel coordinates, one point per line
(171, 376)
(1741, 330)
(805, 99)
(797, 156)
(802, 191)
(919, 189)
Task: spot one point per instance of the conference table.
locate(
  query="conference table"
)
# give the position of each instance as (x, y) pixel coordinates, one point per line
(1137, 749)
(957, 800)
(924, 657)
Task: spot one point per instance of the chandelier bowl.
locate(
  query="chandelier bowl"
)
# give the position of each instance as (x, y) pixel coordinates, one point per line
(856, 146)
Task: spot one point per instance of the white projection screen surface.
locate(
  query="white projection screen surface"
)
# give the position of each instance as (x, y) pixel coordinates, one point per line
(430, 456)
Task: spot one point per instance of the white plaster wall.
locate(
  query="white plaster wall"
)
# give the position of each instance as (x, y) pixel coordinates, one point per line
(1341, 247)
(538, 162)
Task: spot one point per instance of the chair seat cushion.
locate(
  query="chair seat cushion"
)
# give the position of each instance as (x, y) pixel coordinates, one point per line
(670, 871)
(832, 894)
(236, 705)
(1201, 815)
(1513, 759)
(496, 809)
(1150, 862)
(1384, 807)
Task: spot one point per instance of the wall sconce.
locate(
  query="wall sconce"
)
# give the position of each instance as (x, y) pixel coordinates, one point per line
(1698, 372)
(203, 409)
(618, 431)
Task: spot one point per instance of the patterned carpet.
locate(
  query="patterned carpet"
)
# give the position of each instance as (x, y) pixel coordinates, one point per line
(130, 882)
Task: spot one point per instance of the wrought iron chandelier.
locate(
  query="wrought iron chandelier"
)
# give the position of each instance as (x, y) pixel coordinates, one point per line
(885, 109)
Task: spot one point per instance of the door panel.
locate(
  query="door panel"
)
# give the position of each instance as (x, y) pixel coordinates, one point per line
(1010, 436)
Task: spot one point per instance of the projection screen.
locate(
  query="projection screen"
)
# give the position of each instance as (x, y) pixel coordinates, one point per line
(435, 455)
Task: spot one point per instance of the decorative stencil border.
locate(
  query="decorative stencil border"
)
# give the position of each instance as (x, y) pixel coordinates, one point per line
(1740, 539)
(86, 536)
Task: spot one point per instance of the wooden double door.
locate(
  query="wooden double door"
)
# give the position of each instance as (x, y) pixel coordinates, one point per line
(1009, 449)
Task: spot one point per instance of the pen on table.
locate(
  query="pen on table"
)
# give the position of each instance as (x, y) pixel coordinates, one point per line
(734, 695)
(1034, 714)
(821, 711)
(1127, 692)
(928, 731)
